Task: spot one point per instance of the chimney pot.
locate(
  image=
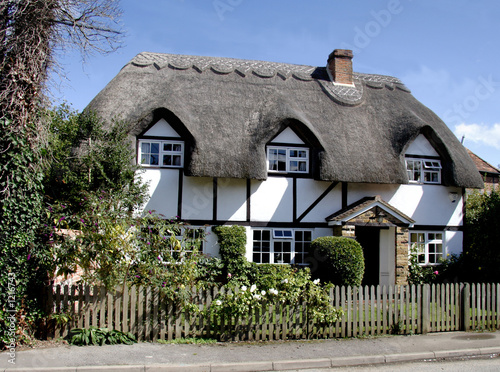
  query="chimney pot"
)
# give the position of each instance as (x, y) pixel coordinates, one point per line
(339, 66)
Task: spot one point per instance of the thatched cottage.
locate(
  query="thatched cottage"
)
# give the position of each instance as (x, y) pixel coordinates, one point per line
(295, 152)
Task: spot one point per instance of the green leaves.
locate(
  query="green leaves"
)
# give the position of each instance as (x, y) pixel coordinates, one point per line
(482, 236)
(340, 260)
(20, 214)
(99, 336)
(232, 248)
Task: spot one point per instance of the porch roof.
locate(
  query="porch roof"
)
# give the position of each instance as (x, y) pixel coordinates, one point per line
(383, 211)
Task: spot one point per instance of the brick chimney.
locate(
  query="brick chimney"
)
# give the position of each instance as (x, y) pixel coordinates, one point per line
(340, 66)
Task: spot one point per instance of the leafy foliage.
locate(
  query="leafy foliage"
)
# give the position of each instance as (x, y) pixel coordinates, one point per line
(232, 249)
(482, 236)
(286, 287)
(31, 32)
(21, 258)
(340, 260)
(418, 274)
(87, 155)
(450, 270)
(115, 247)
(100, 336)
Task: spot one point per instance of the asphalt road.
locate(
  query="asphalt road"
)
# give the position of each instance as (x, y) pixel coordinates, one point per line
(458, 365)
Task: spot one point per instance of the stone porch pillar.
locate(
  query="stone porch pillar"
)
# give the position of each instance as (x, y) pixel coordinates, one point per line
(402, 261)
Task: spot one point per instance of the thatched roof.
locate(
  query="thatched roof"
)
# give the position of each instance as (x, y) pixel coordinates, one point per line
(229, 109)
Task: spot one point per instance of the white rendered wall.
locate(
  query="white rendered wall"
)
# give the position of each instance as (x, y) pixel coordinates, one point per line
(420, 146)
(231, 199)
(272, 200)
(288, 136)
(197, 198)
(210, 245)
(163, 190)
(453, 242)
(161, 129)
(426, 204)
(308, 192)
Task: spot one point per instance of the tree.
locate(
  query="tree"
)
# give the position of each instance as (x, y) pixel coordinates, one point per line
(88, 155)
(32, 32)
(482, 236)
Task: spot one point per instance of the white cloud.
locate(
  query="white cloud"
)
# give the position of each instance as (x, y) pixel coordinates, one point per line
(480, 133)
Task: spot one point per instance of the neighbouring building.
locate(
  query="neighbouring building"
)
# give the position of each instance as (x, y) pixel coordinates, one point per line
(293, 153)
(490, 174)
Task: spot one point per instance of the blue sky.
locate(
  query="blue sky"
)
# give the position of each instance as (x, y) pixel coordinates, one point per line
(447, 51)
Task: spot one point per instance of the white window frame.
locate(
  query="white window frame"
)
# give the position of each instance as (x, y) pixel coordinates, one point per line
(289, 159)
(426, 246)
(163, 152)
(186, 250)
(421, 170)
(281, 236)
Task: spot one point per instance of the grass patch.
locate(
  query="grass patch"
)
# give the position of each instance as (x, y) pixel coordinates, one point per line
(189, 340)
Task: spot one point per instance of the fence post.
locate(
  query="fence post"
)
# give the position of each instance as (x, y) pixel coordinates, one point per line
(466, 307)
(425, 308)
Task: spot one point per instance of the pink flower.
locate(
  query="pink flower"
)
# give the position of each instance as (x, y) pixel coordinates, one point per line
(229, 275)
(436, 272)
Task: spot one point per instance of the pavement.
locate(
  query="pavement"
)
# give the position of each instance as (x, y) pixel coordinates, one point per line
(256, 356)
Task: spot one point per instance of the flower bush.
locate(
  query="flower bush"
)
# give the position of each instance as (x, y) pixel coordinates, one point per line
(279, 285)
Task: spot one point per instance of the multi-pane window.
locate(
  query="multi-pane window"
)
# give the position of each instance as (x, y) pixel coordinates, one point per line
(288, 159)
(423, 170)
(302, 243)
(183, 243)
(262, 246)
(162, 153)
(428, 246)
(281, 246)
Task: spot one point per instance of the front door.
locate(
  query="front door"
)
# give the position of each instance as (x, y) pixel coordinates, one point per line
(369, 238)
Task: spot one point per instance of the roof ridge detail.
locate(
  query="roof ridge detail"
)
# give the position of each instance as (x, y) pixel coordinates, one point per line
(224, 65)
(346, 95)
(263, 69)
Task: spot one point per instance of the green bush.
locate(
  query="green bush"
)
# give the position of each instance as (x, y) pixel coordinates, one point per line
(482, 237)
(339, 260)
(232, 248)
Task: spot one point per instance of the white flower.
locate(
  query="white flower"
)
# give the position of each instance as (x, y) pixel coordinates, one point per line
(256, 296)
(263, 293)
(284, 281)
(253, 288)
(316, 281)
(273, 291)
(218, 302)
(244, 288)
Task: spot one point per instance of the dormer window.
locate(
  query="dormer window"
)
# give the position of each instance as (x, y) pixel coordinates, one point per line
(423, 163)
(423, 170)
(155, 153)
(281, 159)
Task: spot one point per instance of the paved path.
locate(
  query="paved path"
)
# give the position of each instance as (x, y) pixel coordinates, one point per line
(269, 356)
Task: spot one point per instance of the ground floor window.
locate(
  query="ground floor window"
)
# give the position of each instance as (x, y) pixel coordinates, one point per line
(428, 246)
(281, 246)
(186, 242)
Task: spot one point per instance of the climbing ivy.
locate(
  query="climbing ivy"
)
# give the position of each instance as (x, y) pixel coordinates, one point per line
(22, 259)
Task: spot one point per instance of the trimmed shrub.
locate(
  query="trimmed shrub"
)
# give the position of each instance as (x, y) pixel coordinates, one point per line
(232, 249)
(339, 260)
